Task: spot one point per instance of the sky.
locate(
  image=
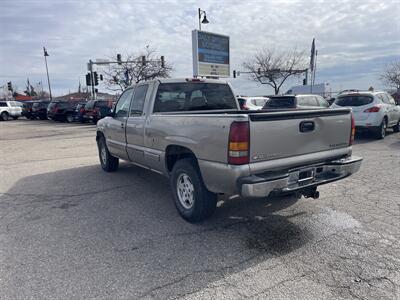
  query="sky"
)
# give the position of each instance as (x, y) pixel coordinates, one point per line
(355, 39)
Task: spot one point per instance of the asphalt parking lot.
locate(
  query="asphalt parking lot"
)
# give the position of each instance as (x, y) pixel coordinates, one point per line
(68, 230)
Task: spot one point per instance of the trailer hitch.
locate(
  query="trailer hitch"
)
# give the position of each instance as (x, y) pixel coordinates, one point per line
(310, 193)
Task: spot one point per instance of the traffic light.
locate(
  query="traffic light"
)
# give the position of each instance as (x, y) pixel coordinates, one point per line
(9, 86)
(96, 78)
(119, 59)
(88, 80)
(101, 77)
(143, 60)
(162, 62)
(234, 73)
(259, 71)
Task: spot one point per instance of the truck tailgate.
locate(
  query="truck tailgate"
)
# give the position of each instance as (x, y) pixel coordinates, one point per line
(283, 134)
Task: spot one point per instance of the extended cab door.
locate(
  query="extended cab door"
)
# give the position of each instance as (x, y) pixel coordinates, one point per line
(116, 141)
(135, 125)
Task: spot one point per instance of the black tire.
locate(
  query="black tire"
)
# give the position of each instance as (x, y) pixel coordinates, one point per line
(108, 162)
(396, 128)
(69, 118)
(203, 202)
(4, 116)
(380, 133)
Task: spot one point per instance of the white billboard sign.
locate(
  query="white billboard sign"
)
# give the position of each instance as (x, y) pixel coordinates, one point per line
(210, 54)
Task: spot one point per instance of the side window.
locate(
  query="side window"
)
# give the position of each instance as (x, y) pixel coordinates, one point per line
(122, 107)
(322, 102)
(3, 104)
(138, 100)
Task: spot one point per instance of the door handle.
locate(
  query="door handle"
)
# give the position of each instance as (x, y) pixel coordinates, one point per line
(307, 126)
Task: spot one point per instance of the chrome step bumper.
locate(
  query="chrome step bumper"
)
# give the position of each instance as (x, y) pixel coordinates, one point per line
(300, 178)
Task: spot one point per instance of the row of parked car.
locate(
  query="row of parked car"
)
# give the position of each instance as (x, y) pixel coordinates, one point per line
(90, 111)
(374, 111)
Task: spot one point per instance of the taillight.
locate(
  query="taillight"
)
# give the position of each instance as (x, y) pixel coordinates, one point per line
(373, 109)
(239, 143)
(82, 110)
(353, 130)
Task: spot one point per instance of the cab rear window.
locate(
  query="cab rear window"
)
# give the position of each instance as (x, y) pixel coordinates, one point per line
(193, 96)
(352, 100)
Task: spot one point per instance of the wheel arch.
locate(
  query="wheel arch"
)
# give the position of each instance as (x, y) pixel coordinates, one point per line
(173, 153)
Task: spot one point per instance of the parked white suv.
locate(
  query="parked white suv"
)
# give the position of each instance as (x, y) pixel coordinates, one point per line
(374, 111)
(10, 109)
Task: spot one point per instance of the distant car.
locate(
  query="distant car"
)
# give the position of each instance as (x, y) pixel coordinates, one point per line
(252, 103)
(39, 110)
(80, 112)
(10, 109)
(373, 111)
(27, 109)
(296, 102)
(97, 109)
(61, 111)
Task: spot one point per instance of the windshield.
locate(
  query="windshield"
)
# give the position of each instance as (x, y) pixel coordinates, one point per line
(280, 102)
(352, 100)
(193, 96)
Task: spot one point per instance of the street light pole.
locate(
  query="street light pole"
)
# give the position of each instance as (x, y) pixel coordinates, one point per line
(47, 70)
(204, 21)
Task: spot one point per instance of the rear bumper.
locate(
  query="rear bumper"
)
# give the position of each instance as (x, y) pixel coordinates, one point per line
(298, 179)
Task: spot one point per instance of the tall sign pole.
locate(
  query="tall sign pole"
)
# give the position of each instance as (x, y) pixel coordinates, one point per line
(47, 71)
(312, 63)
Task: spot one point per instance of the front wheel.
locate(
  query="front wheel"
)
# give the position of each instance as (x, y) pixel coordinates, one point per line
(108, 162)
(192, 199)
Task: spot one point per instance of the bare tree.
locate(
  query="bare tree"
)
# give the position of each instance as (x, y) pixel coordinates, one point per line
(391, 75)
(132, 70)
(273, 69)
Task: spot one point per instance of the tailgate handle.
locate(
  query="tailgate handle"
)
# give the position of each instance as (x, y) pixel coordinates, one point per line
(307, 126)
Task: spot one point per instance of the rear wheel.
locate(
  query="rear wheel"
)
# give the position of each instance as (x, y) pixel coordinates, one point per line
(70, 118)
(396, 128)
(381, 131)
(192, 199)
(4, 116)
(108, 162)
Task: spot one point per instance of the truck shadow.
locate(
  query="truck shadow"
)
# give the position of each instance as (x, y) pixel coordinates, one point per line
(123, 226)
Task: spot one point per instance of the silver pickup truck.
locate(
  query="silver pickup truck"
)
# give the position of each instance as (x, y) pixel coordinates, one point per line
(192, 131)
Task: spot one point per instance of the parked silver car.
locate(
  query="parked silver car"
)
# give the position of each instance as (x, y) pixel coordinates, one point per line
(374, 111)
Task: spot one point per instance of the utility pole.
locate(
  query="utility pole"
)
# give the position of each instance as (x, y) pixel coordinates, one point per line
(47, 71)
